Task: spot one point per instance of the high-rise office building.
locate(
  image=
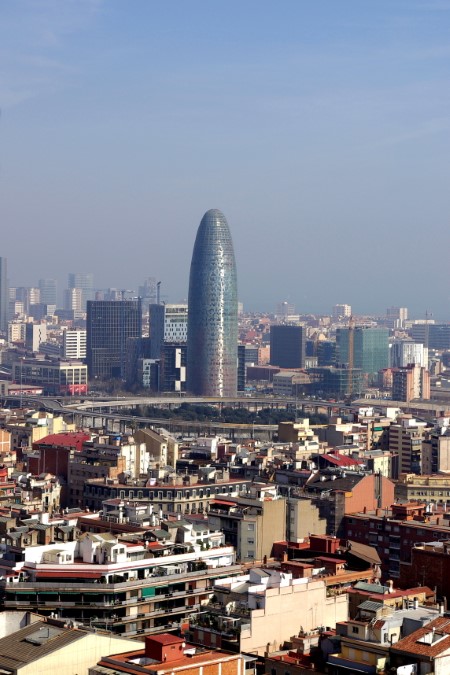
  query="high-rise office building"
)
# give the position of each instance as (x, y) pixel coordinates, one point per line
(341, 312)
(148, 292)
(405, 352)
(285, 309)
(29, 297)
(173, 367)
(35, 334)
(73, 300)
(212, 320)
(109, 324)
(248, 355)
(86, 283)
(4, 296)
(167, 323)
(287, 346)
(370, 348)
(48, 291)
(397, 316)
(432, 335)
(74, 344)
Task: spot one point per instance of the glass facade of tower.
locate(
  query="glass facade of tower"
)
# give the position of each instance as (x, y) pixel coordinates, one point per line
(287, 346)
(109, 324)
(370, 348)
(85, 282)
(212, 316)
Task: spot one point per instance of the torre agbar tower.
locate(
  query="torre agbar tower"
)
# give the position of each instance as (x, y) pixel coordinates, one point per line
(212, 311)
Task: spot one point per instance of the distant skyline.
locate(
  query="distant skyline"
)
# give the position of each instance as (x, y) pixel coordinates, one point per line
(321, 130)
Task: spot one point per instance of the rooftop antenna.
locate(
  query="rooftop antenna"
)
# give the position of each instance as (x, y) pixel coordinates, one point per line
(158, 293)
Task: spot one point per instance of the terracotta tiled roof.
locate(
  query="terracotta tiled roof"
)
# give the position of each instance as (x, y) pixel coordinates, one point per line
(438, 633)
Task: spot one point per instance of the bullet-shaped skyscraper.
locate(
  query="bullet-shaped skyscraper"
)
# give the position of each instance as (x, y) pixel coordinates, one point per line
(212, 316)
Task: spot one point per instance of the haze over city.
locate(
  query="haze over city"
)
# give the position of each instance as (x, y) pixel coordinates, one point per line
(320, 129)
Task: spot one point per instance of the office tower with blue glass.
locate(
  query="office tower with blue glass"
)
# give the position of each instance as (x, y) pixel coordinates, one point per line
(48, 291)
(212, 318)
(109, 325)
(370, 349)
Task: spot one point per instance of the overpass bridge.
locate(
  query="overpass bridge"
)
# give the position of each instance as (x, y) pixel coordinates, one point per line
(109, 413)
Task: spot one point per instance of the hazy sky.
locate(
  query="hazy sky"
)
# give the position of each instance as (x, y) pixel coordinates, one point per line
(319, 127)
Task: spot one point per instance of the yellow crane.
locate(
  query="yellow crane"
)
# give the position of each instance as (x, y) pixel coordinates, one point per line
(351, 341)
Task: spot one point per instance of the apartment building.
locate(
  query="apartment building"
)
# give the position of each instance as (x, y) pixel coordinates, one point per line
(394, 531)
(257, 612)
(405, 440)
(251, 523)
(128, 587)
(179, 495)
(107, 457)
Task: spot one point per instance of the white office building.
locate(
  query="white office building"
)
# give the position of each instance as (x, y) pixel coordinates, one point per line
(406, 352)
(74, 344)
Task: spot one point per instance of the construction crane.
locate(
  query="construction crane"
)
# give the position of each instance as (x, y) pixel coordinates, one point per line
(351, 343)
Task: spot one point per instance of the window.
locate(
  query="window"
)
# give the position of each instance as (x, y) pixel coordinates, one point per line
(355, 629)
(250, 541)
(251, 527)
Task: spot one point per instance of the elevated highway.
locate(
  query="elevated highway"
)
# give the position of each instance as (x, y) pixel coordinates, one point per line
(108, 412)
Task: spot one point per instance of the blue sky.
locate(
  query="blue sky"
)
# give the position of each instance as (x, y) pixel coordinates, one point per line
(320, 129)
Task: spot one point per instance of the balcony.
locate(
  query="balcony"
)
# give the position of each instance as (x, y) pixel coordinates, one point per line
(96, 587)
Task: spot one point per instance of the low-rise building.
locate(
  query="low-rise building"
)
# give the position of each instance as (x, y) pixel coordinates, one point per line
(166, 654)
(434, 488)
(426, 650)
(366, 640)
(56, 377)
(257, 612)
(55, 648)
